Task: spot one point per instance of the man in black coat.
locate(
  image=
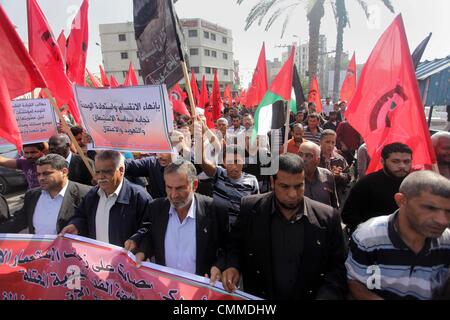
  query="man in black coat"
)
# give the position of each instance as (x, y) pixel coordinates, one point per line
(112, 211)
(48, 209)
(285, 245)
(186, 231)
(78, 172)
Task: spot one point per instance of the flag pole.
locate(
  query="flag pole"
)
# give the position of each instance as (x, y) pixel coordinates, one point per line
(286, 130)
(69, 133)
(188, 87)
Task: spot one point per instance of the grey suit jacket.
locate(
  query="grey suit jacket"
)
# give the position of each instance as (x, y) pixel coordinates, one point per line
(23, 218)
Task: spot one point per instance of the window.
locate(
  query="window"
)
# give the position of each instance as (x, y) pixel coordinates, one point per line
(193, 33)
(122, 37)
(196, 69)
(213, 36)
(124, 55)
(225, 56)
(224, 40)
(193, 52)
(214, 54)
(137, 54)
(207, 52)
(208, 70)
(206, 34)
(225, 72)
(124, 73)
(214, 70)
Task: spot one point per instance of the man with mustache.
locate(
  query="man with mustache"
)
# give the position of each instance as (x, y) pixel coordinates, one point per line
(373, 195)
(185, 231)
(112, 211)
(404, 255)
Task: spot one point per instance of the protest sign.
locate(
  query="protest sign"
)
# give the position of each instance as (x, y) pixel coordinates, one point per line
(136, 119)
(76, 268)
(36, 120)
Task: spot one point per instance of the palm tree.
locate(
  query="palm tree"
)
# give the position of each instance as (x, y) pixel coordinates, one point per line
(315, 12)
(341, 15)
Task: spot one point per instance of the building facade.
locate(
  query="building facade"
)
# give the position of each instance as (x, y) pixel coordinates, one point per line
(210, 48)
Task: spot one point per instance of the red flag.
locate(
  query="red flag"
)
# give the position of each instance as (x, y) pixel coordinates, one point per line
(216, 100)
(237, 100)
(282, 84)
(194, 88)
(177, 97)
(259, 85)
(18, 75)
(77, 46)
(105, 80)
(227, 95)
(62, 41)
(130, 79)
(314, 94)
(95, 82)
(47, 56)
(113, 81)
(349, 86)
(387, 106)
(243, 98)
(203, 99)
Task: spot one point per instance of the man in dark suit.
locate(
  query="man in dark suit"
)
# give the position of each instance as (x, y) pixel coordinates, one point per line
(78, 172)
(112, 211)
(285, 245)
(185, 231)
(48, 209)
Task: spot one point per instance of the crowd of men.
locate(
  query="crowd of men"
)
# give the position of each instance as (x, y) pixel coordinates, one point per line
(316, 227)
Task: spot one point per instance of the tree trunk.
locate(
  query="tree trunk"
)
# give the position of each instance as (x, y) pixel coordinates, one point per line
(314, 19)
(341, 23)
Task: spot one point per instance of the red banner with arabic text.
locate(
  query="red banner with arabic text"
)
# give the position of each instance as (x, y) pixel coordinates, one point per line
(77, 268)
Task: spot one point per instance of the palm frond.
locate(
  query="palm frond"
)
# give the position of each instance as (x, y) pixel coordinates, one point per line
(389, 5)
(258, 12)
(278, 13)
(365, 7)
(287, 19)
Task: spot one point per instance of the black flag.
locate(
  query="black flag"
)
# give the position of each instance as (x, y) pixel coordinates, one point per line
(159, 40)
(417, 54)
(298, 89)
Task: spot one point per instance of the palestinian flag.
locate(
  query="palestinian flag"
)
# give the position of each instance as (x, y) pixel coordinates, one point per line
(280, 90)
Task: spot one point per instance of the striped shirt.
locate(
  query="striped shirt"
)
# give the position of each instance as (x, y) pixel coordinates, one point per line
(308, 135)
(228, 192)
(380, 260)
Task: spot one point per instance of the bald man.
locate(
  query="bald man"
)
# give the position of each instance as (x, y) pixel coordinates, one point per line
(441, 144)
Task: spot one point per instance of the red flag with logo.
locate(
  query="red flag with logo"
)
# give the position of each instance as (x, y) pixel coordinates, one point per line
(314, 94)
(47, 56)
(104, 77)
(349, 86)
(259, 85)
(243, 98)
(18, 75)
(77, 46)
(194, 88)
(130, 79)
(203, 100)
(387, 106)
(216, 100)
(114, 83)
(177, 97)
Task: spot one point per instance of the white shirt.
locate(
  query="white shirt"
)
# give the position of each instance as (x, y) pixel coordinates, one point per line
(181, 240)
(47, 211)
(327, 108)
(105, 204)
(69, 157)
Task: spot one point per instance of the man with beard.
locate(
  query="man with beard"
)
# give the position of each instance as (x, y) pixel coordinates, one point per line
(404, 255)
(293, 145)
(373, 195)
(48, 208)
(285, 245)
(185, 231)
(441, 144)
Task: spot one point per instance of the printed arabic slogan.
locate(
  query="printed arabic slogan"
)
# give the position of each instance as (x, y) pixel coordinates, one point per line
(75, 268)
(36, 120)
(135, 119)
